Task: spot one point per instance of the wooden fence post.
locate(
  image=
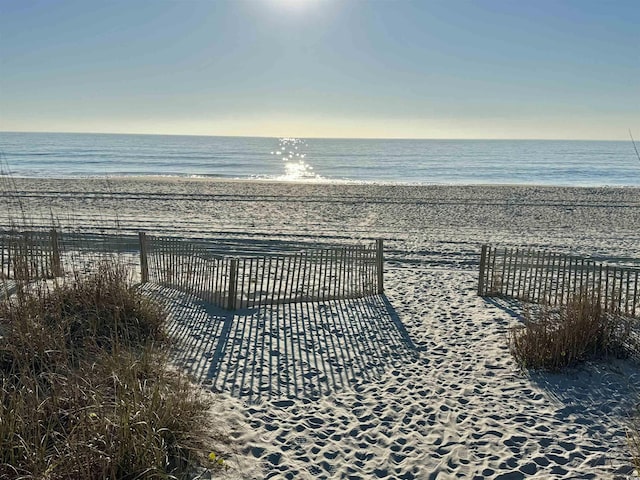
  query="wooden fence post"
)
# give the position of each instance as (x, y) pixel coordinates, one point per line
(483, 262)
(380, 265)
(144, 262)
(2, 247)
(233, 287)
(56, 267)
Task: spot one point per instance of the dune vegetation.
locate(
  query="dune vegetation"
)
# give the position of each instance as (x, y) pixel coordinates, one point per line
(85, 387)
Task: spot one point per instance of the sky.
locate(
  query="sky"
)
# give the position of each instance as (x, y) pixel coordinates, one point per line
(508, 69)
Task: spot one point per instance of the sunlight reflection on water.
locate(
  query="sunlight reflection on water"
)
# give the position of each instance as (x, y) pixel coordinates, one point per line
(293, 157)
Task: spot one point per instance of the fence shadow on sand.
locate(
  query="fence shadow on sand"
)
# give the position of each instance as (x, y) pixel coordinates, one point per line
(298, 350)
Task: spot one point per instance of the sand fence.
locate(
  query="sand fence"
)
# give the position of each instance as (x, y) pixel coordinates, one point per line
(197, 268)
(26, 255)
(553, 279)
(252, 280)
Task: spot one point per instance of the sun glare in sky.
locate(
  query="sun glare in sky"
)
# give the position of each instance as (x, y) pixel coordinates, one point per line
(292, 4)
(318, 68)
(287, 9)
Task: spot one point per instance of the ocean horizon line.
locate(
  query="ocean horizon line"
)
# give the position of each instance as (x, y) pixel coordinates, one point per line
(461, 139)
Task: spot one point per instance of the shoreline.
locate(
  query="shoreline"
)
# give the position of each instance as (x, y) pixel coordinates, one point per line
(287, 181)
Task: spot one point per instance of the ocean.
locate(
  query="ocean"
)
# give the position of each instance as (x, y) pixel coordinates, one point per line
(538, 162)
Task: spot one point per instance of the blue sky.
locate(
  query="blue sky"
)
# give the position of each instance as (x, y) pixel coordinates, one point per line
(323, 68)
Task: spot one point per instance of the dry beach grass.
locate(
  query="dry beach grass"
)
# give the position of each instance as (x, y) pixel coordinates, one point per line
(555, 339)
(417, 383)
(85, 390)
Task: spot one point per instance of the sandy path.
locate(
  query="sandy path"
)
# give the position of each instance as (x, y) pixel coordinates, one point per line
(419, 387)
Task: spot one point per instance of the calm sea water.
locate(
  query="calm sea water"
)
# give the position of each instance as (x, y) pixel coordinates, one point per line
(542, 162)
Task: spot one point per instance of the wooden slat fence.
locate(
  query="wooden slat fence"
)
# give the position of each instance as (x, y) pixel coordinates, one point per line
(83, 251)
(553, 279)
(26, 256)
(251, 281)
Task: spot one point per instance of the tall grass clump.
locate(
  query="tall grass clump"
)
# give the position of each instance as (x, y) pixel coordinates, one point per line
(84, 388)
(554, 340)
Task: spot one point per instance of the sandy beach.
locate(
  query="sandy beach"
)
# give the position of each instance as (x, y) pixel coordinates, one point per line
(415, 384)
